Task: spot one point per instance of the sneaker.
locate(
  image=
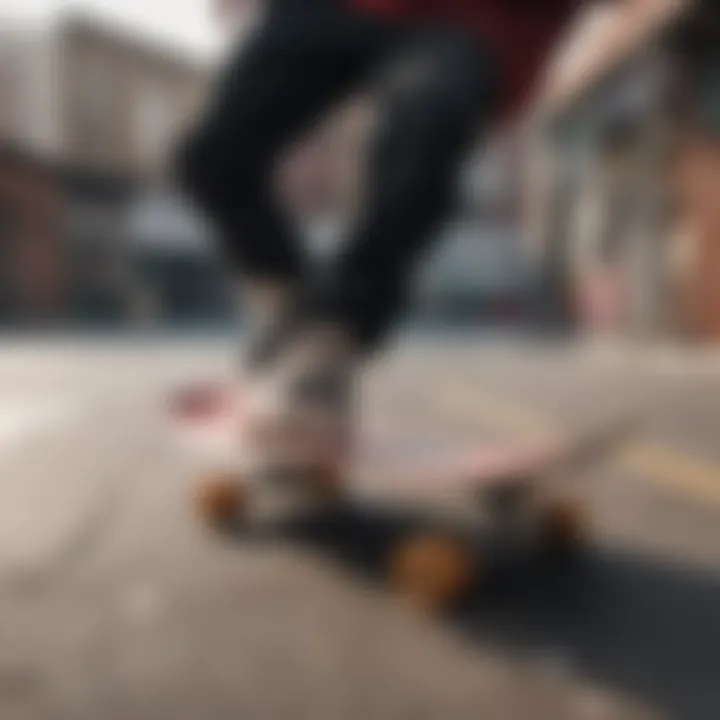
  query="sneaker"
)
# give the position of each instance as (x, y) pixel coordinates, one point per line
(299, 409)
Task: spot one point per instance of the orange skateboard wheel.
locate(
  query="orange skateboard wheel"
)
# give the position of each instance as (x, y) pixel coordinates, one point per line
(223, 499)
(432, 571)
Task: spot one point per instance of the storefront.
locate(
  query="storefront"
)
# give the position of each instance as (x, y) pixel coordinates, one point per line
(97, 206)
(605, 207)
(35, 288)
(175, 277)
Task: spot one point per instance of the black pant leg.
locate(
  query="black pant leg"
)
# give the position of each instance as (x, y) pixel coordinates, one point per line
(306, 55)
(431, 116)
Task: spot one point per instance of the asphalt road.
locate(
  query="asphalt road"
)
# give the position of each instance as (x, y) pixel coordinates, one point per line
(115, 603)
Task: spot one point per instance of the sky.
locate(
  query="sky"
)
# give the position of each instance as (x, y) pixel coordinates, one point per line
(183, 23)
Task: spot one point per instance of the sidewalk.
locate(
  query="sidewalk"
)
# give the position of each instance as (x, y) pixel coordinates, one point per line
(59, 465)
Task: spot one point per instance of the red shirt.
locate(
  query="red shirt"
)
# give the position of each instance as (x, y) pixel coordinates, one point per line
(521, 32)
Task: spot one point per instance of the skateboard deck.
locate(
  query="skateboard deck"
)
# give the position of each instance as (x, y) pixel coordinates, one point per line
(207, 420)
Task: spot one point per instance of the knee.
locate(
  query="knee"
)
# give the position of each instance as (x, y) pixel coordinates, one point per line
(472, 69)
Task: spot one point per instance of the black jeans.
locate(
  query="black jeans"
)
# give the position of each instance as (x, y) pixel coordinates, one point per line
(306, 56)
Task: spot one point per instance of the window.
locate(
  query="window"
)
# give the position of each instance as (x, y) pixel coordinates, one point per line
(98, 92)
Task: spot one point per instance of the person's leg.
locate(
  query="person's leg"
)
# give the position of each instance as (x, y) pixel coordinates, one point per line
(441, 100)
(308, 54)
(305, 56)
(437, 105)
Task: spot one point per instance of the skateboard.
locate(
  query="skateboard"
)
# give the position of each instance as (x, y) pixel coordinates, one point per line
(523, 492)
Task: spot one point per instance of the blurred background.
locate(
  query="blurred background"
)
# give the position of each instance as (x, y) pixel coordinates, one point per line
(580, 279)
(594, 213)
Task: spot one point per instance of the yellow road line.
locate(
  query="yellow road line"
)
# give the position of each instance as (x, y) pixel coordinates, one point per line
(674, 470)
(501, 415)
(651, 462)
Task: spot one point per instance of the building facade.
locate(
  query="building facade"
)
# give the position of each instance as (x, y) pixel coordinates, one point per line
(623, 167)
(87, 95)
(97, 110)
(122, 101)
(35, 286)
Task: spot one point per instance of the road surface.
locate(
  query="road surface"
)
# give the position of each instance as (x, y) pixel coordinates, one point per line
(114, 603)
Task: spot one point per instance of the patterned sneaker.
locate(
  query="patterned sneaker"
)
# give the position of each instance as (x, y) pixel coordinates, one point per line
(299, 408)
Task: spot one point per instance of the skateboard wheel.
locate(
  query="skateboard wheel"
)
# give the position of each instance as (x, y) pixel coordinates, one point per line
(222, 500)
(432, 571)
(562, 525)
